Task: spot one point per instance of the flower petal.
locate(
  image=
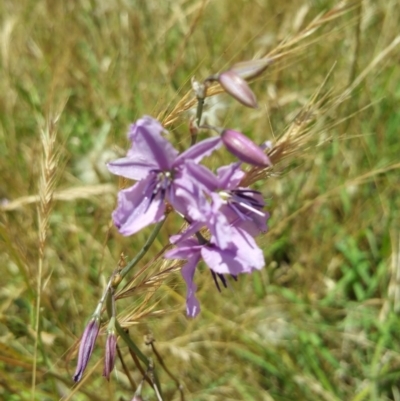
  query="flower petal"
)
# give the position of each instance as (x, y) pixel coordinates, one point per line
(242, 256)
(229, 176)
(149, 151)
(136, 208)
(134, 169)
(148, 143)
(200, 175)
(186, 249)
(192, 304)
(199, 150)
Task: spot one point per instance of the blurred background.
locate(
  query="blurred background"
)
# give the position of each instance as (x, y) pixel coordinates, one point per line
(321, 321)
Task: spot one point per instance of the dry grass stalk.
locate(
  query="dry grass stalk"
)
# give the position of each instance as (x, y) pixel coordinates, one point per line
(49, 173)
(66, 195)
(287, 47)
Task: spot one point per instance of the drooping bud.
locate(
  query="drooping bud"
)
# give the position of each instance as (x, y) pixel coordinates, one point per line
(86, 346)
(238, 88)
(252, 68)
(110, 354)
(244, 148)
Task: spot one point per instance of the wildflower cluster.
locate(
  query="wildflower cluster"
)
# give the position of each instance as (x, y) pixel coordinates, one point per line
(223, 216)
(232, 214)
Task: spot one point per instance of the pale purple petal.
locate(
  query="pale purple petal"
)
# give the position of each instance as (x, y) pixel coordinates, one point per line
(135, 208)
(229, 177)
(149, 145)
(245, 209)
(233, 260)
(256, 225)
(241, 256)
(200, 175)
(186, 249)
(199, 150)
(192, 304)
(184, 192)
(218, 223)
(248, 251)
(222, 261)
(134, 169)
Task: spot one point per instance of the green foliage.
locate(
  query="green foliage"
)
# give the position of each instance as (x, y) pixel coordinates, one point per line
(320, 322)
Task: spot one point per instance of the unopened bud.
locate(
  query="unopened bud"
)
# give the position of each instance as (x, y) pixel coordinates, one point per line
(86, 346)
(252, 68)
(244, 148)
(109, 359)
(237, 87)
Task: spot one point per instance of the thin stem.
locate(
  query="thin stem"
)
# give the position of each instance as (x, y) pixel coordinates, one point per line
(124, 335)
(169, 373)
(199, 110)
(126, 370)
(141, 253)
(135, 352)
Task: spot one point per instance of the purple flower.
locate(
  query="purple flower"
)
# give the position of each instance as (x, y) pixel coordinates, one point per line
(241, 255)
(243, 206)
(158, 167)
(230, 204)
(86, 347)
(109, 359)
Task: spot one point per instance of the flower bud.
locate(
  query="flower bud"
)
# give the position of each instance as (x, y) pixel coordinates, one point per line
(237, 87)
(86, 346)
(244, 149)
(109, 359)
(252, 68)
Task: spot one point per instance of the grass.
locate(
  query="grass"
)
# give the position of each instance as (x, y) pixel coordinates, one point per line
(320, 322)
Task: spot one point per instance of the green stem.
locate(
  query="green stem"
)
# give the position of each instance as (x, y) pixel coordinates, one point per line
(125, 336)
(141, 253)
(128, 341)
(199, 110)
